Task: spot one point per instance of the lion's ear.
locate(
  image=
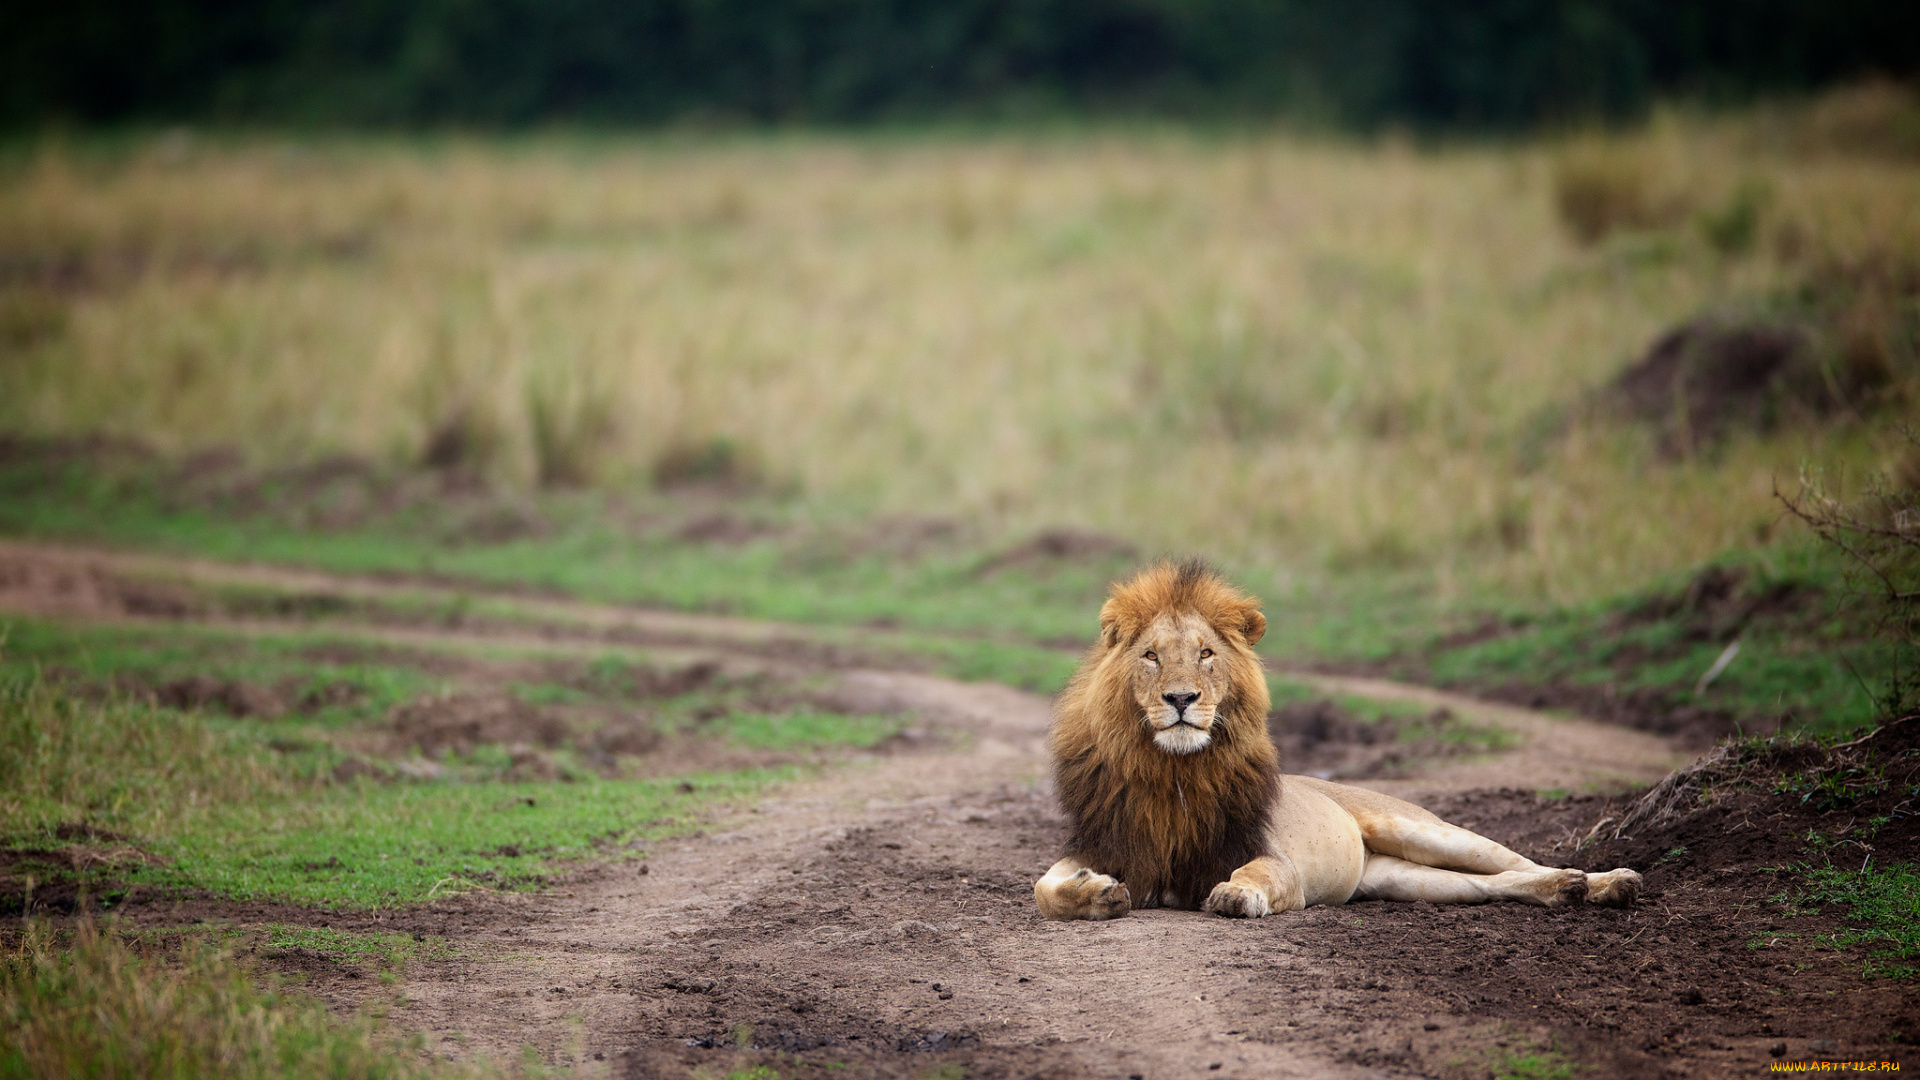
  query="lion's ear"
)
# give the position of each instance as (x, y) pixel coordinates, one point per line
(1111, 632)
(1253, 626)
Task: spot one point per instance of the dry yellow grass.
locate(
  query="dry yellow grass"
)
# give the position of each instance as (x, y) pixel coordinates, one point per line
(1290, 353)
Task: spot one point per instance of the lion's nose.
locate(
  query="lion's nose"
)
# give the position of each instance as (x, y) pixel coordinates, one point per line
(1180, 701)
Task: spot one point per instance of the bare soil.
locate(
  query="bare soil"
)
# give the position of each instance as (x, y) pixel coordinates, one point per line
(877, 920)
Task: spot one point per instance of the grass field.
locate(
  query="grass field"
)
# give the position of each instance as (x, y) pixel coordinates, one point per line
(927, 393)
(320, 770)
(1299, 357)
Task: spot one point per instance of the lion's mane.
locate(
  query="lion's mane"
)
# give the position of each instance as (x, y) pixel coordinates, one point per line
(1170, 826)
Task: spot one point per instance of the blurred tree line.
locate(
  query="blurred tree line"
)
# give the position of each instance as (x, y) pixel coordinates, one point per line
(1431, 63)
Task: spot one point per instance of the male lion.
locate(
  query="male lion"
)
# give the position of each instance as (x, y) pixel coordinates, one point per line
(1163, 764)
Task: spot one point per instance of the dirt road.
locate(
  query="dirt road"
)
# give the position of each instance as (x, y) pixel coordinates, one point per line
(880, 915)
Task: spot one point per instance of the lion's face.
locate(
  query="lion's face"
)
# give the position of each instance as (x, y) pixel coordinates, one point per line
(1179, 680)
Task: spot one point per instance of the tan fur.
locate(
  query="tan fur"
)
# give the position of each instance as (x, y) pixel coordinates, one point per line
(1164, 768)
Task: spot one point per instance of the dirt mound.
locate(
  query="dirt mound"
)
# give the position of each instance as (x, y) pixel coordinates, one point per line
(1319, 738)
(334, 492)
(346, 492)
(1718, 605)
(235, 697)
(1721, 601)
(1704, 379)
(1059, 546)
(723, 529)
(1773, 801)
(457, 723)
(1660, 712)
(77, 588)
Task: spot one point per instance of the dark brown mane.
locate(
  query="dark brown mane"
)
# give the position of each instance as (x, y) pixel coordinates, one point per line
(1170, 826)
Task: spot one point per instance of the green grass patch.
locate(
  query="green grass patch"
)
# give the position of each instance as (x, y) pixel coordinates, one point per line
(175, 800)
(586, 552)
(92, 1003)
(119, 765)
(1532, 1065)
(961, 607)
(1411, 722)
(390, 951)
(387, 845)
(785, 731)
(1883, 910)
(302, 668)
(1808, 650)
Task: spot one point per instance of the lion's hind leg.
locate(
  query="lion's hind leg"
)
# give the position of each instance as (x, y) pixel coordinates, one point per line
(1389, 878)
(1615, 888)
(1450, 847)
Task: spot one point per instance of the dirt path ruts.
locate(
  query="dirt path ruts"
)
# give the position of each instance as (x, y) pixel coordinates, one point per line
(875, 914)
(1553, 752)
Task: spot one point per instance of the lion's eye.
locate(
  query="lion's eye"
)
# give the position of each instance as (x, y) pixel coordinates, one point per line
(1153, 656)
(1204, 653)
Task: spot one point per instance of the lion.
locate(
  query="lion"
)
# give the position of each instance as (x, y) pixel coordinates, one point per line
(1164, 768)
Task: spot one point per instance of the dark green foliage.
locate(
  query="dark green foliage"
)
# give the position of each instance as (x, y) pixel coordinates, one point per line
(1483, 63)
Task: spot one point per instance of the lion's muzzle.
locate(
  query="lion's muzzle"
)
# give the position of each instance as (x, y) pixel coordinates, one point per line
(1183, 730)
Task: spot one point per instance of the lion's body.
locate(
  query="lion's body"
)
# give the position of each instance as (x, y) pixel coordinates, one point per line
(1163, 765)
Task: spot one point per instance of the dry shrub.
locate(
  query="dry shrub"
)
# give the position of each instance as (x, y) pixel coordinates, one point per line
(1879, 533)
(1601, 188)
(573, 426)
(1875, 118)
(718, 463)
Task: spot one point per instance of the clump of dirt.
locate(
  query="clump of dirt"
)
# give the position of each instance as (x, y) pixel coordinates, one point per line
(458, 723)
(1721, 601)
(1055, 546)
(244, 698)
(724, 529)
(235, 697)
(1718, 605)
(78, 875)
(1320, 738)
(345, 492)
(1842, 342)
(907, 537)
(72, 588)
(653, 682)
(1705, 378)
(1772, 801)
(1650, 709)
(718, 467)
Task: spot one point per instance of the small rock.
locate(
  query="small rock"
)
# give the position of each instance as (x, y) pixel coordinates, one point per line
(1778, 1049)
(1691, 996)
(1822, 1046)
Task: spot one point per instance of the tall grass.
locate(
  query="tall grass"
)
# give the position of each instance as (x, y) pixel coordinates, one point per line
(1297, 354)
(94, 1004)
(116, 764)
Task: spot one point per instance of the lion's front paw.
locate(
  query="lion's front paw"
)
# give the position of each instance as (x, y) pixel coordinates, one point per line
(1086, 895)
(1615, 888)
(1237, 901)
